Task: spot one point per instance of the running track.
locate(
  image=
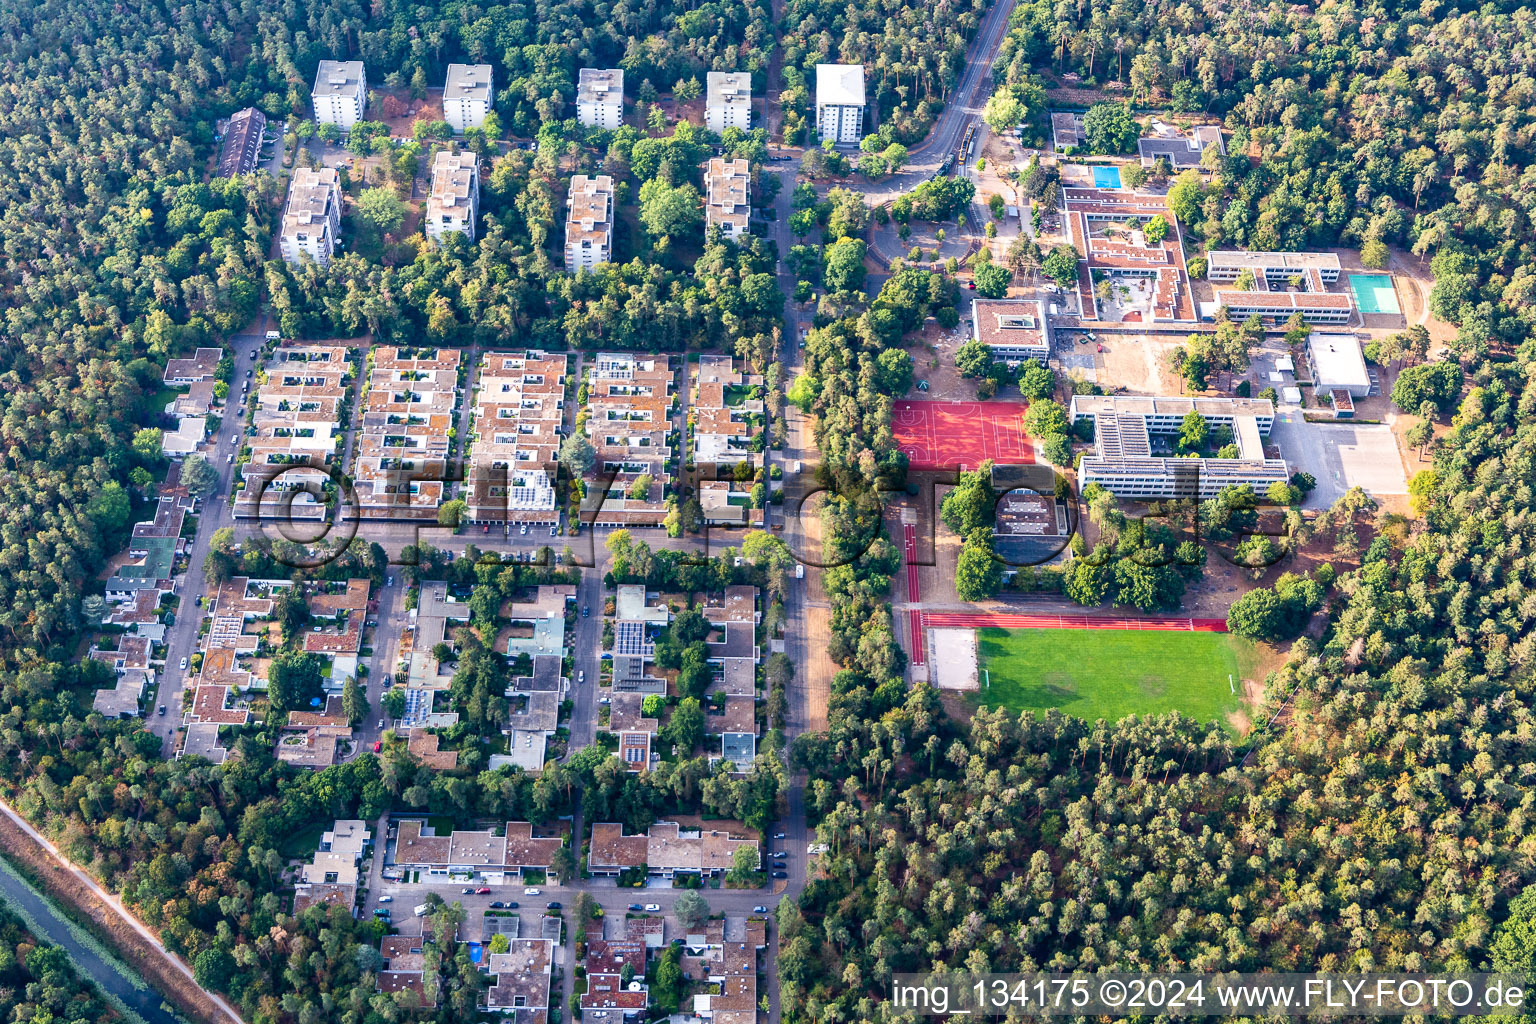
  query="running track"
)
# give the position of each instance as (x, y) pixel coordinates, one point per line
(1018, 620)
(915, 615)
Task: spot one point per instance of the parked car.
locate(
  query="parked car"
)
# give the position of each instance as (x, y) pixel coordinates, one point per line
(386, 899)
(585, 611)
(781, 874)
(552, 905)
(497, 904)
(530, 892)
(780, 835)
(377, 746)
(512, 904)
(466, 892)
(482, 891)
(552, 530)
(183, 664)
(636, 907)
(652, 908)
(487, 528)
(759, 910)
(581, 676)
(162, 709)
(780, 855)
(524, 530)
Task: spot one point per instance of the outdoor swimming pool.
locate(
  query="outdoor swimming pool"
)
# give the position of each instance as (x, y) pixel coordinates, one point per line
(1373, 293)
(1106, 177)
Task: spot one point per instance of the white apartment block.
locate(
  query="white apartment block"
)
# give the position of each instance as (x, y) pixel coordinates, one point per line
(519, 419)
(840, 102)
(312, 218)
(468, 93)
(340, 93)
(728, 101)
(600, 98)
(454, 201)
(1014, 329)
(727, 188)
(588, 222)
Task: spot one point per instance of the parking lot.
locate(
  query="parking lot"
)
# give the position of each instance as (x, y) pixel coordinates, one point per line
(1340, 456)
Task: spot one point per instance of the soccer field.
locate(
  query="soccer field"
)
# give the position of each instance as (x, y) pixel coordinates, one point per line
(1113, 673)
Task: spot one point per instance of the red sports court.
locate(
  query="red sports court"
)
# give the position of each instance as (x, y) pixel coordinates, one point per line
(961, 435)
(1017, 620)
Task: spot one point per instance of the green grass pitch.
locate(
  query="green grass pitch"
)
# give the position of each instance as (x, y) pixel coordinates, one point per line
(1112, 673)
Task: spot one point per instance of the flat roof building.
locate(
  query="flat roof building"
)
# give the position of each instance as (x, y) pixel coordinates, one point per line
(600, 98)
(1106, 227)
(297, 432)
(1123, 462)
(1014, 329)
(727, 421)
(728, 101)
(482, 854)
(514, 450)
(454, 202)
(468, 94)
(1338, 364)
(665, 849)
(840, 102)
(629, 401)
(1182, 150)
(588, 222)
(727, 196)
(312, 216)
(402, 446)
(340, 93)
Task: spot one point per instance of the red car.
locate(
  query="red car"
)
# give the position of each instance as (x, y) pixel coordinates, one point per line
(482, 892)
(377, 746)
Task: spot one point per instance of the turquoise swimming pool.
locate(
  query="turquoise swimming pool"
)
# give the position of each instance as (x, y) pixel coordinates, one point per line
(1373, 293)
(1106, 177)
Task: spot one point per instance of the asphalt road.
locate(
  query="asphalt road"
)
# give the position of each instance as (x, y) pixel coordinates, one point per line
(181, 639)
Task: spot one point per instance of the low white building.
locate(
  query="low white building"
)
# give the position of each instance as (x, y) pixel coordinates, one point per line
(468, 93)
(600, 98)
(340, 93)
(840, 102)
(1338, 364)
(454, 201)
(312, 217)
(728, 101)
(588, 222)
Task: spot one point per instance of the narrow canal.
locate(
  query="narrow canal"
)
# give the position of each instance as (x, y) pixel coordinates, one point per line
(113, 978)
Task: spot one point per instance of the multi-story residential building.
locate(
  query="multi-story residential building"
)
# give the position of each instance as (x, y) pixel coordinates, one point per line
(1014, 329)
(403, 443)
(483, 855)
(665, 849)
(519, 410)
(588, 222)
(468, 93)
(520, 992)
(242, 142)
(1124, 464)
(727, 195)
(340, 93)
(728, 101)
(727, 420)
(298, 408)
(600, 98)
(629, 400)
(840, 102)
(454, 202)
(312, 218)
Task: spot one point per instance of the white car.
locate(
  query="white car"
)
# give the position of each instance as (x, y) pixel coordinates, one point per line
(652, 908)
(386, 899)
(530, 892)
(183, 664)
(581, 676)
